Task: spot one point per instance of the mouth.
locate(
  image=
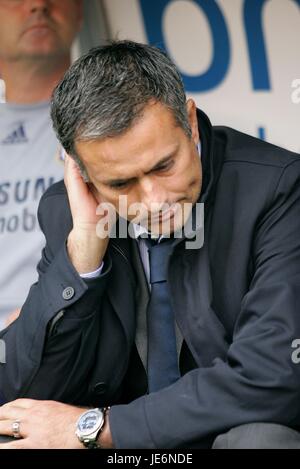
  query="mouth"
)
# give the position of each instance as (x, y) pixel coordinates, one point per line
(39, 28)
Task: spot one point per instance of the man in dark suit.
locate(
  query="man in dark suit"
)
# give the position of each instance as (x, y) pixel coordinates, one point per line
(182, 329)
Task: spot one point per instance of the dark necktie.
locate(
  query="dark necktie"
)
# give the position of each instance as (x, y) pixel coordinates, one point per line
(162, 354)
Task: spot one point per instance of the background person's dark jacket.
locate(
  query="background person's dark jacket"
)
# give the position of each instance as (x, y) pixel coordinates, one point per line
(236, 300)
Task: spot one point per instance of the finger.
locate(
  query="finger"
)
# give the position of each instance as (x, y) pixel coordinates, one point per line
(17, 444)
(70, 169)
(12, 413)
(6, 428)
(23, 403)
(65, 156)
(72, 177)
(14, 410)
(67, 167)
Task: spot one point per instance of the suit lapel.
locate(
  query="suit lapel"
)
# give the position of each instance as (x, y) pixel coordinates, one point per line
(202, 330)
(122, 286)
(142, 298)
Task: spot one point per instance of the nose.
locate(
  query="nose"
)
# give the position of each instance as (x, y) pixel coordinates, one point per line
(38, 5)
(152, 194)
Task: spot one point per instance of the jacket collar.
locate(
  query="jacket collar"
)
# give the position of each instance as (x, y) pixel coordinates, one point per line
(211, 161)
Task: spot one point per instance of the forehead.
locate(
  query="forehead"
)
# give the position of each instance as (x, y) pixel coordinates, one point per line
(153, 137)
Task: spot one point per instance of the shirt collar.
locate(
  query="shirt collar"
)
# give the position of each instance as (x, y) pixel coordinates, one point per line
(141, 232)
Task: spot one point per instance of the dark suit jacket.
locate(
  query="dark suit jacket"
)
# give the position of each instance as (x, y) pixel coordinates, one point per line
(236, 302)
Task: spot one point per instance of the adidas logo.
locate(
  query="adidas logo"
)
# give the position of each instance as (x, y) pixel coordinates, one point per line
(16, 136)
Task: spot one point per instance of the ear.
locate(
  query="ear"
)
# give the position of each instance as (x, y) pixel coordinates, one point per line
(193, 121)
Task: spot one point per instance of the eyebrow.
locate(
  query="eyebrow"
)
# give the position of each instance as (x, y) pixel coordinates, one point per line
(160, 163)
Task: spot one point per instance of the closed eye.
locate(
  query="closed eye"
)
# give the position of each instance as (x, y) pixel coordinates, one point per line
(165, 166)
(120, 185)
(162, 167)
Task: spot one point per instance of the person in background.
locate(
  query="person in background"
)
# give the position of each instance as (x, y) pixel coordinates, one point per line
(35, 44)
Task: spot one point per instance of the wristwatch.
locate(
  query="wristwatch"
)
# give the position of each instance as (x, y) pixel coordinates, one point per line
(89, 425)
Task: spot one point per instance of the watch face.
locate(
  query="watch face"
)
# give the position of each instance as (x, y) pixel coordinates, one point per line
(89, 422)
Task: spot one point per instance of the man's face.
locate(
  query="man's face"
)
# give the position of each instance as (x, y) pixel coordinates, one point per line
(37, 28)
(153, 163)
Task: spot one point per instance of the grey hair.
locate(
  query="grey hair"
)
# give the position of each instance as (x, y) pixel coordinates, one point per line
(105, 92)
